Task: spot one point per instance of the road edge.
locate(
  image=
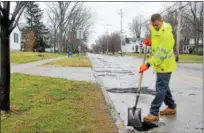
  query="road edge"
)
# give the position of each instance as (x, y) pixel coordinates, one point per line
(112, 110)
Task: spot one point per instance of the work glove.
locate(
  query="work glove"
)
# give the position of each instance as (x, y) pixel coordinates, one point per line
(144, 67)
(147, 41)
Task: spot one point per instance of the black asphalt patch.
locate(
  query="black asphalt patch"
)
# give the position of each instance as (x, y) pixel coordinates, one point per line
(143, 90)
(121, 72)
(103, 75)
(146, 126)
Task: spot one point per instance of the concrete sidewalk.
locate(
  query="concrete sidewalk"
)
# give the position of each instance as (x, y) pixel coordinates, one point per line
(71, 73)
(21, 67)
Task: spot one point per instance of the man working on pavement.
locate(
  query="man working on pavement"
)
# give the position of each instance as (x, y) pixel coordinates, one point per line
(163, 62)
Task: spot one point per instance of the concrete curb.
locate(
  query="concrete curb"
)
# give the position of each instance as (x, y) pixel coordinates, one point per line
(116, 118)
(118, 121)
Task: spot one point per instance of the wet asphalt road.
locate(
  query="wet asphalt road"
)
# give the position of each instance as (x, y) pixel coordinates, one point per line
(120, 73)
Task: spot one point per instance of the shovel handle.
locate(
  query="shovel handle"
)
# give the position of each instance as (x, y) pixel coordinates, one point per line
(140, 79)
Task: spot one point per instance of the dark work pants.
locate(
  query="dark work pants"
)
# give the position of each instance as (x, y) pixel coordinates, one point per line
(163, 94)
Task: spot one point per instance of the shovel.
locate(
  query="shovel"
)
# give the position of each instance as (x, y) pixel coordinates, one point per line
(134, 113)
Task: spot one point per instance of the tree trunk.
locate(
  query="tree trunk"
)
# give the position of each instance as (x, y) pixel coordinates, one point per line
(55, 41)
(196, 46)
(5, 70)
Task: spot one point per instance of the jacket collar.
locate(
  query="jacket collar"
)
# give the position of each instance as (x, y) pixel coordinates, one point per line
(160, 30)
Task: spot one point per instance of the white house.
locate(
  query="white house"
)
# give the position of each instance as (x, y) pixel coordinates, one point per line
(133, 45)
(191, 44)
(15, 39)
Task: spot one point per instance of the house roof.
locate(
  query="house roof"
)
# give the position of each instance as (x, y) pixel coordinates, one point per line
(21, 26)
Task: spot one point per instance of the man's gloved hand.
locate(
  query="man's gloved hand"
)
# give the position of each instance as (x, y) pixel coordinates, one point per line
(144, 67)
(147, 41)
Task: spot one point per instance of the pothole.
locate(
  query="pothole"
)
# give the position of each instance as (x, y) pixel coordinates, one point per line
(143, 90)
(146, 126)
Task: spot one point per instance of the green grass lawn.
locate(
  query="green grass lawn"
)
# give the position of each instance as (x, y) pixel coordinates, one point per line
(75, 61)
(25, 57)
(187, 58)
(55, 105)
(111, 54)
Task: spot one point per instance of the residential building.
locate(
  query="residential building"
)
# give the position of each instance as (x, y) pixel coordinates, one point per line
(15, 39)
(191, 44)
(134, 45)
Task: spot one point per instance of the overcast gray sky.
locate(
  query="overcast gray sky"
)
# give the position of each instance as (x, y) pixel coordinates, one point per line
(107, 13)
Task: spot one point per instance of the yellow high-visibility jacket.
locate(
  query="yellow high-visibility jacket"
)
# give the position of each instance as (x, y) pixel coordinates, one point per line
(162, 43)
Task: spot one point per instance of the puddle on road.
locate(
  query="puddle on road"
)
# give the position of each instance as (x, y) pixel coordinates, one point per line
(144, 90)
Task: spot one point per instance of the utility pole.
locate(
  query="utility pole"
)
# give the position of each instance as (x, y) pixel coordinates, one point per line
(121, 41)
(178, 32)
(107, 37)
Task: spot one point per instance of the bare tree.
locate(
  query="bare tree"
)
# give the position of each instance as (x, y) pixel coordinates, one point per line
(114, 42)
(53, 18)
(81, 20)
(193, 16)
(136, 26)
(8, 23)
(102, 43)
(60, 14)
(146, 27)
(66, 19)
(95, 48)
(171, 17)
(191, 22)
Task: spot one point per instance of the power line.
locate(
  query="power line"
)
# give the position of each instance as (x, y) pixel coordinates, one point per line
(161, 12)
(170, 8)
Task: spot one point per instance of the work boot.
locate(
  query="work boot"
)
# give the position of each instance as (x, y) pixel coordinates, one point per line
(151, 118)
(168, 111)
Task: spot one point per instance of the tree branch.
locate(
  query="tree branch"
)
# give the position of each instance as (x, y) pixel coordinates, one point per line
(1, 8)
(16, 11)
(67, 22)
(5, 5)
(18, 17)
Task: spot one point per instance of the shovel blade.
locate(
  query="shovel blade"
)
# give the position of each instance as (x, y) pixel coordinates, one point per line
(134, 117)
